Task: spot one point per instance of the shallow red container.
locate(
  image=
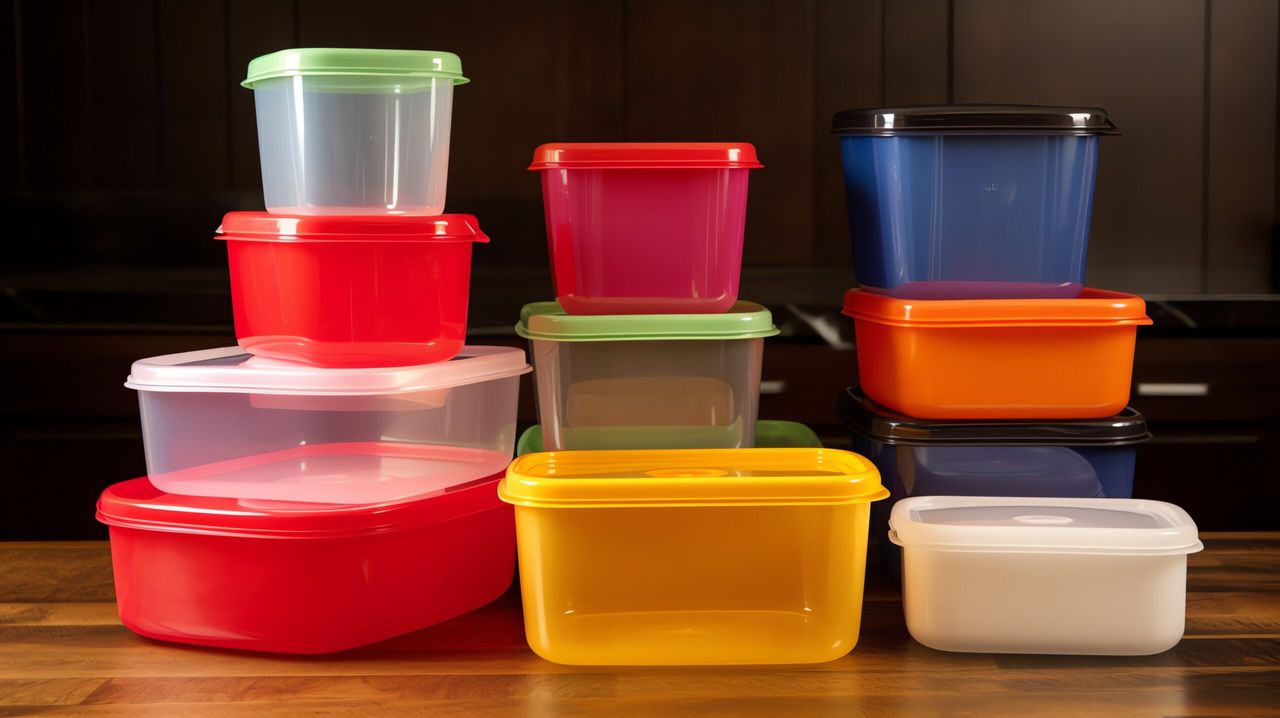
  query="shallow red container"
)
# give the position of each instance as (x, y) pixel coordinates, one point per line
(302, 577)
(645, 227)
(350, 291)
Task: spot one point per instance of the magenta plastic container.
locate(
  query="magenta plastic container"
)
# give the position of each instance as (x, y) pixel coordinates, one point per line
(645, 228)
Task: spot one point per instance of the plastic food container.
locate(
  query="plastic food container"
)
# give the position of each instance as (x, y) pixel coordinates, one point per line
(691, 557)
(647, 381)
(303, 578)
(1044, 575)
(970, 201)
(769, 435)
(350, 131)
(997, 358)
(645, 228)
(350, 291)
(221, 423)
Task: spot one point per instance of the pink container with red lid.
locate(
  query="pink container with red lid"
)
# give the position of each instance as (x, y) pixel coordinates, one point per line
(645, 228)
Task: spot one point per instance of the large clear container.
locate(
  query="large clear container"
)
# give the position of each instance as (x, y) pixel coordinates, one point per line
(692, 557)
(970, 201)
(647, 381)
(1044, 575)
(350, 131)
(222, 423)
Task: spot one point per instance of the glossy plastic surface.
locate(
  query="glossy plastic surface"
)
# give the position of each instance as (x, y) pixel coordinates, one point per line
(261, 443)
(354, 145)
(1068, 576)
(738, 560)
(666, 394)
(314, 579)
(648, 236)
(997, 359)
(770, 434)
(970, 216)
(369, 295)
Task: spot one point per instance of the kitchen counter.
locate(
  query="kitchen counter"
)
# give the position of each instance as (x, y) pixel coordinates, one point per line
(63, 652)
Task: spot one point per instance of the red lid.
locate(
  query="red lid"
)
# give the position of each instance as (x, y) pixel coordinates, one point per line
(268, 226)
(644, 155)
(1093, 307)
(138, 504)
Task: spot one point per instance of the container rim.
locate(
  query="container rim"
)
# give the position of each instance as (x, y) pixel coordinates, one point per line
(230, 370)
(864, 417)
(274, 227)
(645, 155)
(354, 62)
(138, 504)
(1094, 307)
(547, 321)
(973, 119)
(1043, 525)
(691, 478)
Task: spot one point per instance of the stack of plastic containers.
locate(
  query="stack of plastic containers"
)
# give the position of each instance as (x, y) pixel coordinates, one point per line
(651, 532)
(331, 481)
(988, 370)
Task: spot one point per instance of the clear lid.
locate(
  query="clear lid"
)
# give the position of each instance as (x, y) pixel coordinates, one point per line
(863, 416)
(139, 504)
(1043, 525)
(231, 370)
(690, 477)
(974, 119)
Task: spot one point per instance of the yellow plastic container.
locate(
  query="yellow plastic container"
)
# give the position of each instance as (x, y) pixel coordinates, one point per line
(685, 557)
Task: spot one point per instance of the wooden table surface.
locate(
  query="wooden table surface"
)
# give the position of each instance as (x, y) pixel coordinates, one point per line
(64, 652)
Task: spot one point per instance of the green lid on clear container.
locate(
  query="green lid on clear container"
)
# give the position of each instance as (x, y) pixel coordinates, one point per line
(360, 67)
(547, 321)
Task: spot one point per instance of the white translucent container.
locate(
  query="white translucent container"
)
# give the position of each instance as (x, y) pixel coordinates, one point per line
(647, 381)
(346, 131)
(222, 423)
(1044, 575)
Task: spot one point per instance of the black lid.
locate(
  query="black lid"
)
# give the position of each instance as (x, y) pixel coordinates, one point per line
(867, 418)
(976, 119)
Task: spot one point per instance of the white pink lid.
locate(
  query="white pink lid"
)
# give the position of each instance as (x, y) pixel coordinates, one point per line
(1043, 525)
(230, 370)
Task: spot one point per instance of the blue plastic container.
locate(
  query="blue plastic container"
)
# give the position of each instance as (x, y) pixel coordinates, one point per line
(1072, 458)
(970, 202)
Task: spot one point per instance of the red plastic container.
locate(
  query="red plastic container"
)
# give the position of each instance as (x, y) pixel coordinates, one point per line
(645, 228)
(350, 291)
(303, 577)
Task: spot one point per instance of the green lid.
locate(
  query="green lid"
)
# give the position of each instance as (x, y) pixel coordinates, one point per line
(361, 66)
(546, 320)
(769, 435)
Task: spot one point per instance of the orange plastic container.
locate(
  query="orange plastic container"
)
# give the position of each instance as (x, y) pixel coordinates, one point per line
(997, 358)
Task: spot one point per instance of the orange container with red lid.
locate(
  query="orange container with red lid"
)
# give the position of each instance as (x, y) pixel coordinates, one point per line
(998, 358)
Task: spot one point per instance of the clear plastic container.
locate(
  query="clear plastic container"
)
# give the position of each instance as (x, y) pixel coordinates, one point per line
(352, 131)
(350, 291)
(1044, 575)
(222, 423)
(647, 381)
(970, 201)
(645, 228)
(723, 556)
(303, 578)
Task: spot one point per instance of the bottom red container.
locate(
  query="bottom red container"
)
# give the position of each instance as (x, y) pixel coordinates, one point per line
(302, 577)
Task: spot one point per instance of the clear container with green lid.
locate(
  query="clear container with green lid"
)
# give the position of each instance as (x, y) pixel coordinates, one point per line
(647, 381)
(354, 131)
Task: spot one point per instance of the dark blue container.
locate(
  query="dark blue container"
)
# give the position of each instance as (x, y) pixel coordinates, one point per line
(1073, 458)
(968, 201)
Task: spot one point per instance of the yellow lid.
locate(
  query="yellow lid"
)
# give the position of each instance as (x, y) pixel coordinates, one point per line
(690, 477)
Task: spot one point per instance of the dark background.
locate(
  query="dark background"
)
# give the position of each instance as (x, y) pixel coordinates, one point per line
(128, 137)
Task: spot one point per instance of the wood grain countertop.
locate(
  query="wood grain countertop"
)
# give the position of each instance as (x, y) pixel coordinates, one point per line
(63, 652)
